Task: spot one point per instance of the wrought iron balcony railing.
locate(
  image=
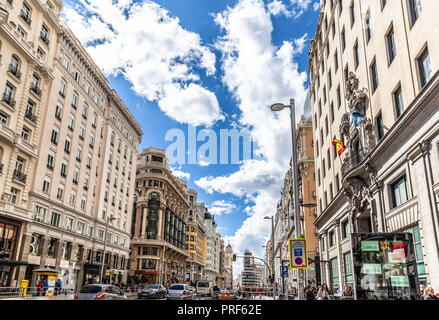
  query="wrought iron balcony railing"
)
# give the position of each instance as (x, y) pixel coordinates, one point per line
(34, 88)
(29, 115)
(7, 98)
(352, 162)
(19, 176)
(44, 38)
(13, 69)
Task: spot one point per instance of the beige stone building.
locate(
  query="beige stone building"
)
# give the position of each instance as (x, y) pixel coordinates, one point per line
(78, 151)
(387, 179)
(159, 222)
(195, 239)
(228, 266)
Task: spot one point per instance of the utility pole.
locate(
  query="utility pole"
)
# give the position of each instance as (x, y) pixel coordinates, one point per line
(110, 218)
(279, 107)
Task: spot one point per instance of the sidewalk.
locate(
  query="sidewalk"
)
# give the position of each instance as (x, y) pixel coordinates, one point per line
(59, 297)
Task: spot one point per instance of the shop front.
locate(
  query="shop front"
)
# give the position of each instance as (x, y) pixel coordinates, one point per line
(148, 276)
(9, 235)
(385, 266)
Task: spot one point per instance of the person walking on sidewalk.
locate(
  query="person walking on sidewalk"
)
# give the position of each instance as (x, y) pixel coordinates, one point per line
(45, 287)
(309, 295)
(39, 288)
(323, 293)
(57, 287)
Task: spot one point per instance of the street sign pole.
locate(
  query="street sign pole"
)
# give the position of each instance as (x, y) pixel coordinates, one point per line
(300, 293)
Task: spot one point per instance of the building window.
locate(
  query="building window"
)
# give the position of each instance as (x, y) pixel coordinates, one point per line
(380, 126)
(343, 40)
(74, 100)
(399, 102)
(58, 112)
(55, 220)
(399, 192)
(334, 275)
(46, 187)
(345, 232)
(349, 279)
(415, 10)
(390, 41)
(368, 29)
(67, 146)
(374, 76)
(356, 55)
(62, 89)
(331, 239)
(352, 13)
(69, 224)
(419, 254)
(40, 214)
(424, 67)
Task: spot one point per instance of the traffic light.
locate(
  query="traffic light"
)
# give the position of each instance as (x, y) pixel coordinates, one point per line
(234, 257)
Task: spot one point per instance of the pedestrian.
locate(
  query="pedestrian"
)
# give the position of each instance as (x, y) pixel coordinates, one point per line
(39, 287)
(309, 295)
(423, 291)
(58, 286)
(45, 287)
(348, 292)
(323, 293)
(430, 294)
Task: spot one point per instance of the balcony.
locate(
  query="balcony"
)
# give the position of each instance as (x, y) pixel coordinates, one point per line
(352, 162)
(7, 98)
(13, 69)
(30, 116)
(19, 176)
(34, 88)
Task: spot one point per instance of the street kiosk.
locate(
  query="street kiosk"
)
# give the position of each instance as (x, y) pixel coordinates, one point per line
(51, 275)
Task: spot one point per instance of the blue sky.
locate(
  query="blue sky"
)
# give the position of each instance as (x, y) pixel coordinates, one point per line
(214, 64)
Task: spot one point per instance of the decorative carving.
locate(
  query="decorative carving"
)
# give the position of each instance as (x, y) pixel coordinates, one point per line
(356, 97)
(369, 136)
(358, 193)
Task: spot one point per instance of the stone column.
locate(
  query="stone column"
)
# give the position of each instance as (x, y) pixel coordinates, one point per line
(24, 253)
(43, 250)
(143, 227)
(160, 223)
(58, 253)
(427, 215)
(137, 225)
(340, 255)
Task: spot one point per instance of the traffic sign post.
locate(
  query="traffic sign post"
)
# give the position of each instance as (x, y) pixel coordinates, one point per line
(298, 253)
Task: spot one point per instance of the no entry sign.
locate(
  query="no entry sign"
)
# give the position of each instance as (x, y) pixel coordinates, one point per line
(298, 254)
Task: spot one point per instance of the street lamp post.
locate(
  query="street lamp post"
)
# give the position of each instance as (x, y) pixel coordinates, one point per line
(272, 255)
(279, 107)
(110, 218)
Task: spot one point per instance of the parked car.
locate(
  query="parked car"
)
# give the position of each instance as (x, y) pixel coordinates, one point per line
(100, 292)
(155, 291)
(178, 291)
(224, 290)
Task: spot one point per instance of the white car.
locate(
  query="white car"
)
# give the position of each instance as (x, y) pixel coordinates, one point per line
(179, 291)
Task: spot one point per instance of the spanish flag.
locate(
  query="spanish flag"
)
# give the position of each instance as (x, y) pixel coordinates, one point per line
(339, 145)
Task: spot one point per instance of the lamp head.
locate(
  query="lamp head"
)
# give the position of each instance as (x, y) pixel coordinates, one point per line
(277, 107)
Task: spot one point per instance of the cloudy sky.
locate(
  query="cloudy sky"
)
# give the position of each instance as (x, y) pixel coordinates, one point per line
(216, 64)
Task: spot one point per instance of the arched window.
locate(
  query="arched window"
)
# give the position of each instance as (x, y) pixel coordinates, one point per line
(154, 196)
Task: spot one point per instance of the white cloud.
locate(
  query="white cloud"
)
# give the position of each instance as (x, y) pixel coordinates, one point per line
(316, 6)
(180, 174)
(277, 8)
(258, 74)
(153, 51)
(221, 207)
(295, 8)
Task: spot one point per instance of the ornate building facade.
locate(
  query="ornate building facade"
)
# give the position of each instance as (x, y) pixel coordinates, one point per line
(374, 85)
(159, 222)
(66, 123)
